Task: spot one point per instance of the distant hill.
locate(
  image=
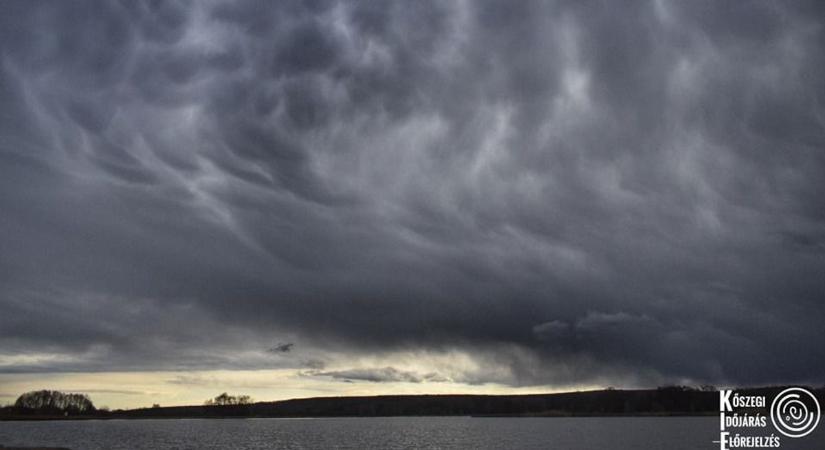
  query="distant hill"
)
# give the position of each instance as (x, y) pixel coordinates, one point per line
(662, 401)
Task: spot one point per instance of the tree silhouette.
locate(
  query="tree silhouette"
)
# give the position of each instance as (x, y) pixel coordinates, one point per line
(54, 402)
(225, 399)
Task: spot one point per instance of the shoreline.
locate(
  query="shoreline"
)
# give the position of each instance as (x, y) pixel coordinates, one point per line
(475, 416)
(673, 401)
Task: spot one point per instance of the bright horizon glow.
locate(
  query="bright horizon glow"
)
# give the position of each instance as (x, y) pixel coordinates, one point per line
(128, 390)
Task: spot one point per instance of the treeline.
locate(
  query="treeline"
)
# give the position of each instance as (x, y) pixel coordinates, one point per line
(674, 400)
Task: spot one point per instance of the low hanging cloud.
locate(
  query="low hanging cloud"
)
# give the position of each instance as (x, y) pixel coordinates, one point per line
(562, 192)
(379, 375)
(281, 348)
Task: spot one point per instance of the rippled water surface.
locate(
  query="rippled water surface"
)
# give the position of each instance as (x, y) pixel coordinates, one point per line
(381, 433)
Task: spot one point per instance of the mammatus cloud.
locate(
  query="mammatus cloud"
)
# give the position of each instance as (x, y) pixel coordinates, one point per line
(562, 192)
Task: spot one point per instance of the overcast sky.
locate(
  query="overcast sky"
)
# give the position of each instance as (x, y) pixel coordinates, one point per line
(410, 196)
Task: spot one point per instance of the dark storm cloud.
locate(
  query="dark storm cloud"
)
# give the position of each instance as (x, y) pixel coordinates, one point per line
(574, 191)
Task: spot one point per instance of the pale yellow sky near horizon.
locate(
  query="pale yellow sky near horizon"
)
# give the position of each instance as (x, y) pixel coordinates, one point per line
(174, 388)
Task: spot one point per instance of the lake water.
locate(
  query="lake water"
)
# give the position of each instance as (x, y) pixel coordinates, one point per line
(619, 433)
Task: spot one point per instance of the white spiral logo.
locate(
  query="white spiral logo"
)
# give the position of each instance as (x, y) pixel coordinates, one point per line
(795, 412)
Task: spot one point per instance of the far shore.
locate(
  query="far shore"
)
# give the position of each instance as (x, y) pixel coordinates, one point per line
(673, 401)
(221, 417)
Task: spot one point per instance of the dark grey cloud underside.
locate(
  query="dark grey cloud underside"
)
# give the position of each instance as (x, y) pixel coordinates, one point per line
(616, 189)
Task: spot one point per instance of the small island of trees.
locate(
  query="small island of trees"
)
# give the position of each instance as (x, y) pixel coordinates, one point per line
(54, 403)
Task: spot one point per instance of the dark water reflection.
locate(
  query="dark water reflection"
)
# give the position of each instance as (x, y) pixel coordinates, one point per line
(381, 433)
